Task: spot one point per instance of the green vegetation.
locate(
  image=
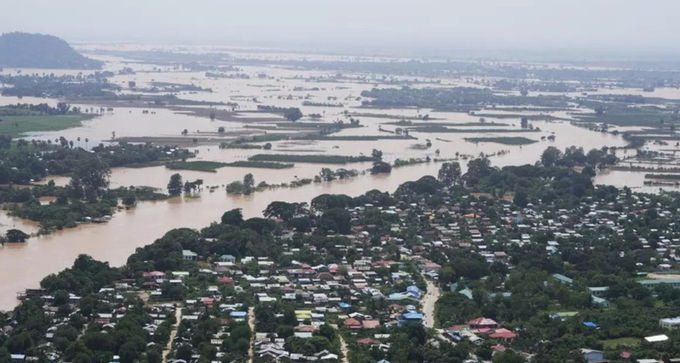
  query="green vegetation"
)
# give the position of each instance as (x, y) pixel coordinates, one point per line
(244, 142)
(620, 342)
(259, 164)
(444, 124)
(456, 99)
(502, 140)
(437, 129)
(209, 166)
(16, 125)
(356, 138)
(67, 86)
(318, 159)
(663, 176)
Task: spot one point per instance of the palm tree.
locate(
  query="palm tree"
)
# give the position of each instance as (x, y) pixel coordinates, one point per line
(78, 141)
(86, 141)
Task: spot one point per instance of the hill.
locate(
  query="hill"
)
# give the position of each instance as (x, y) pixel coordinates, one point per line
(41, 51)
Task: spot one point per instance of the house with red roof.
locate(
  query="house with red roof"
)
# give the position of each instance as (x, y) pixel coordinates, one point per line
(482, 323)
(225, 280)
(502, 334)
(352, 323)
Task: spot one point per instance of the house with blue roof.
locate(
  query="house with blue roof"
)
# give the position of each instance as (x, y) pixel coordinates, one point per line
(409, 318)
(238, 314)
(590, 324)
(414, 290)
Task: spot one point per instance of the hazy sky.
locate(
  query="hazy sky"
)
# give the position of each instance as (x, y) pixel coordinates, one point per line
(364, 24)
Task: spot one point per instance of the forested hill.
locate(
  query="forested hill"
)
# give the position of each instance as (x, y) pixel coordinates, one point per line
(41, 51)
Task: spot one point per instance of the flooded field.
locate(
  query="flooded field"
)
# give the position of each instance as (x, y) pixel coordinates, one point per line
(23, 265)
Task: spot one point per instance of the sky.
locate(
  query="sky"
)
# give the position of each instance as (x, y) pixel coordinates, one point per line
(426, 26)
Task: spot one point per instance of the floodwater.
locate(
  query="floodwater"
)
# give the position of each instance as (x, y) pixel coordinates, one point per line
(24, 265)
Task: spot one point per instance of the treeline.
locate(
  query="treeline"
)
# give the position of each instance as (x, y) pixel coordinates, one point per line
(25, 109)
(66, 86)
(30, 162)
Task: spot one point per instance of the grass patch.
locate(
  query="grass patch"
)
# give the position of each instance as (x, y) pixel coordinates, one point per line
(16, 125)
(442, 124)
(441, 129)
(521, 116)
(209, 166)
(502, 140)
(259, 164)
(317, 159)
(613, 343)
(357, 138)
(649, 119)
(663, 176)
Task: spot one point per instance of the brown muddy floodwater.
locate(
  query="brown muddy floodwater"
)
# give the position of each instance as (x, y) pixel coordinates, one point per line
(24, 265)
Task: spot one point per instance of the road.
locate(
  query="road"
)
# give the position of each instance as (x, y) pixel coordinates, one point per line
(431, 297)
(173, 333)
(251, 323)
(343, 345)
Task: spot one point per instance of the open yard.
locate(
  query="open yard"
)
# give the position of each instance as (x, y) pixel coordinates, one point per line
(627, 341)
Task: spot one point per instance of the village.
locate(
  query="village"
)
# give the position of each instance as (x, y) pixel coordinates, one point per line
(431, 273)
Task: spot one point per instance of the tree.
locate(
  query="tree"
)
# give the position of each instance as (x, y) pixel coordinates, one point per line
(212, 116)
(233, 217)
(377, 154)
(267, 146)
(327, 174)
(220, 129)
(381, 167)
(93, 173)
(521, 198)
(175, 185)
(450, 173)
(293, 114)
(284, 210)
(16, 235)
(588, 171)
(248, 183)
(337, 220)
(508, 356)
(551, 156)
(524, 122)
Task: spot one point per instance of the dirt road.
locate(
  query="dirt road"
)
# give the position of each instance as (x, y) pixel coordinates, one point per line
(431, 297)
(173, 333)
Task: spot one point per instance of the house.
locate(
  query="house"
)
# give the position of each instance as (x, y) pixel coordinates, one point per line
(227, 258)
(598, 291)
(600, 302)
(592, 355)
(410, 318)
(590, 324)
(652, 284)
(670, 323)
(563, 279)
(482, 323)
(503, 334)
(370, 324)
(352, 323)
(431, 267)
(188, 255)
(655, 339)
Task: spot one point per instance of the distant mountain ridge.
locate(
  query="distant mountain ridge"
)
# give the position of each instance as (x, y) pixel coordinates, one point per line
(41, 51)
